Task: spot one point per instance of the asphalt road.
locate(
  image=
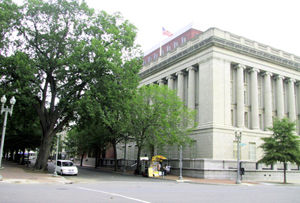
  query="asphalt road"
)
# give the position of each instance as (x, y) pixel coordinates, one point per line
(97, 186)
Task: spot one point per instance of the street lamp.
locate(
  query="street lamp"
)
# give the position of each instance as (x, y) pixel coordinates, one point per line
(238, 136)
(5, 110)
(180, 163)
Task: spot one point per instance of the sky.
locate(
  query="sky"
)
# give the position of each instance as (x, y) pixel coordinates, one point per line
(272, 22)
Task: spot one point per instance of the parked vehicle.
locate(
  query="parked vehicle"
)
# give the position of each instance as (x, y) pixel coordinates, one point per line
(66, 167)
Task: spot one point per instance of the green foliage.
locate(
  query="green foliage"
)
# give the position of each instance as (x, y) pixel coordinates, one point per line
(65, 53)
(283, 146)
(9, 17)
(158, 117)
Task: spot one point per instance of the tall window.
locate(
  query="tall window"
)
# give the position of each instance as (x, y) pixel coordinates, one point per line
(252, 151)
(261, 122)
(246, 120)
(183, 40)
(232, 118)
(168, 48)
(175, 44)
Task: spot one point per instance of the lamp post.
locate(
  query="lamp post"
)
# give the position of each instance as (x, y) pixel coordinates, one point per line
(238, 135)
(5, 110)
(180, 163)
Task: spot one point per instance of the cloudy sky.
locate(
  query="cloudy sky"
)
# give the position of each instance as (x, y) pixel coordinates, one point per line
(271, 22)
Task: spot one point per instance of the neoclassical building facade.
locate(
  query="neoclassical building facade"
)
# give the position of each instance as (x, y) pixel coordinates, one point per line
(234, 84)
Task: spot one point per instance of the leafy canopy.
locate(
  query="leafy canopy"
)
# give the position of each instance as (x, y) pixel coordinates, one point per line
(283, 145)
(60, 50)
(159, 117)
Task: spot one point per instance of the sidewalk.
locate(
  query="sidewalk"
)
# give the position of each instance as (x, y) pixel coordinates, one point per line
(184, 180)
(15, 173)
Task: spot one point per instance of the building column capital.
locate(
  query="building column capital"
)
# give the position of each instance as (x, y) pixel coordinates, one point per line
(170, 77)
(161, 81)
(179, 73)
(191, 68)
(277, 77)
(291, 80)
(240, 66)
(254, 70)
(267, 73)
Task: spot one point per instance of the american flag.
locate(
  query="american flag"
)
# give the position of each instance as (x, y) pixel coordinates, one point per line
(166, 32)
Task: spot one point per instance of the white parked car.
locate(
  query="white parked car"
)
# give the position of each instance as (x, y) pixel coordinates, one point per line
(66, 167)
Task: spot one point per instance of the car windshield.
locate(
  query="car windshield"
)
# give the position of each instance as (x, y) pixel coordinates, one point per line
(67, 163)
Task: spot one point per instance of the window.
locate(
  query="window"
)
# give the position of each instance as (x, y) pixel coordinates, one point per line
(175, 44)
(232, 117)
(261, 123)
(252, 151)
(168, 48)
(246, 119)
(183, 40)
(155, 56)
(67, 163)
(149, 59)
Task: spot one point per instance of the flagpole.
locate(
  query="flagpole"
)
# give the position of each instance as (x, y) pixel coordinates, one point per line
(167, 33)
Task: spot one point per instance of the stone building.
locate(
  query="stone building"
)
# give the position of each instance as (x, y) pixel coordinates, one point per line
(234, 84)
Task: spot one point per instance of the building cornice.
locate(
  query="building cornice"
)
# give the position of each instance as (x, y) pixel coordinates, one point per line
(225, 40)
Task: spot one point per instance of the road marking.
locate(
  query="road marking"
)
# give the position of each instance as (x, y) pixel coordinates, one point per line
(113, 194)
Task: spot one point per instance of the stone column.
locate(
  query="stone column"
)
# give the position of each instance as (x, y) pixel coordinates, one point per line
(161, 82)
(279, 97)
(291, 100)
(268, 100)
(191, 88)
(170, 80)
(298, 106)
(240, 105)
(180, 84)
(254, 99)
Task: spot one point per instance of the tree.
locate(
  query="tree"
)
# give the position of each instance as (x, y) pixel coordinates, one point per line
(158, 117)
(80, 141)
(282, 146)
(64, 50)
(23, 130)
(8, 18)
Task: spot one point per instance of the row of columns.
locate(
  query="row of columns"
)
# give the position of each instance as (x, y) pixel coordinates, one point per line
(267, 97)
(240, 103)
(180, 85)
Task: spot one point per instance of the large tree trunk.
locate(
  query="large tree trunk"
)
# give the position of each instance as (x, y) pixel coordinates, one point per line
(81, 160)
(152, 150)
(44, 151)
(138, 162)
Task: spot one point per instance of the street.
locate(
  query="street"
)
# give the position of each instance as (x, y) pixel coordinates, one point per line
(94, 185)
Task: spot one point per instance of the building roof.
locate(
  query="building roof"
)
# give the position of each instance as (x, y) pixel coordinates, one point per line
(225, 40)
